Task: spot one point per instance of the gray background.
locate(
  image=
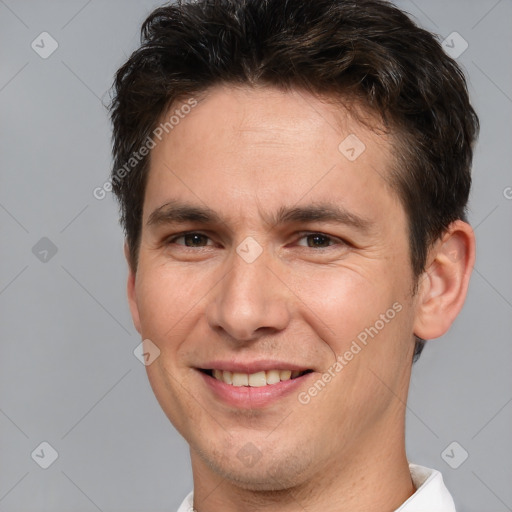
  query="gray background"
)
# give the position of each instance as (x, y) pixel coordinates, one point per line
(68, 375)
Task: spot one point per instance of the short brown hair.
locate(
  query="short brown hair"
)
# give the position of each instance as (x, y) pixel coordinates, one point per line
(367, 49)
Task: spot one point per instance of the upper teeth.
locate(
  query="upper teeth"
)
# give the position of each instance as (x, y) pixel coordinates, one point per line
(255, 380)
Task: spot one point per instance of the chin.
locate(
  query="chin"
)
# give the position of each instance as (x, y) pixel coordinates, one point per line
(271, 472)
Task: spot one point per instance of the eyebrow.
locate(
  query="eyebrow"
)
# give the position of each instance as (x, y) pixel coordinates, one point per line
(181, 212)
(321, 212)
(176, 212)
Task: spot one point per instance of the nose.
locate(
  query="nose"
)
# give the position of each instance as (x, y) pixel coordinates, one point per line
(251, 301)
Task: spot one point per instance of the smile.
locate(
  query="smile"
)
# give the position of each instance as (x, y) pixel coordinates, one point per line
(255, 380)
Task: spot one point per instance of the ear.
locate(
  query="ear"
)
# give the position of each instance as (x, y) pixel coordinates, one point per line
(130, 289)
(443, 286)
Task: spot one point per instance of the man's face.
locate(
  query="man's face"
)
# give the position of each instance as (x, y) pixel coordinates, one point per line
(326, 264)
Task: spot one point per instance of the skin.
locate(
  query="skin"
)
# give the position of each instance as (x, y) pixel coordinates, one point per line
(245, 153)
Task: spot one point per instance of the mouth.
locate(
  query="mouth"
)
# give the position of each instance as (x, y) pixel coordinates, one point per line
(254, 380)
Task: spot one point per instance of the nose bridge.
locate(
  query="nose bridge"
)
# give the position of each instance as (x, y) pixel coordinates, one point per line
(250, 300)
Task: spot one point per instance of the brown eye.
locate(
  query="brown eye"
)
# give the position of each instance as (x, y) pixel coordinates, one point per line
(317, 240)
(191, 240)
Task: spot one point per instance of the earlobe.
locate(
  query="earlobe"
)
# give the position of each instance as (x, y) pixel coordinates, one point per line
(443, 286)
(130, 290)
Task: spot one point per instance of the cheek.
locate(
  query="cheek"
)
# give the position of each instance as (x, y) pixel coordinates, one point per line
(342, 302)
(166, 298)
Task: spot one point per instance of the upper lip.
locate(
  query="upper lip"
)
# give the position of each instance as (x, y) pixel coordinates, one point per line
(251, 367)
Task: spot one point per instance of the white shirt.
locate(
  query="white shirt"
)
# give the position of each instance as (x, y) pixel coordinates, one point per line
(431, 494)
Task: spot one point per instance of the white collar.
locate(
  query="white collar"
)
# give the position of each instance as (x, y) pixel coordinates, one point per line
(431, 494)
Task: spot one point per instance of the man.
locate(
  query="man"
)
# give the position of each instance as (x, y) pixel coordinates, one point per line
(293, 177)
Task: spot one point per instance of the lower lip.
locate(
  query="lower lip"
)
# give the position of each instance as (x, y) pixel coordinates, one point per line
(246, 397)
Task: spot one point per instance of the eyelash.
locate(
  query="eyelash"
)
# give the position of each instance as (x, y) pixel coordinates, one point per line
(305, 234)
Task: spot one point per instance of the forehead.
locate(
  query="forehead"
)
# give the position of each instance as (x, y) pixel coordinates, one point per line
(253, 149)
(270, 116)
